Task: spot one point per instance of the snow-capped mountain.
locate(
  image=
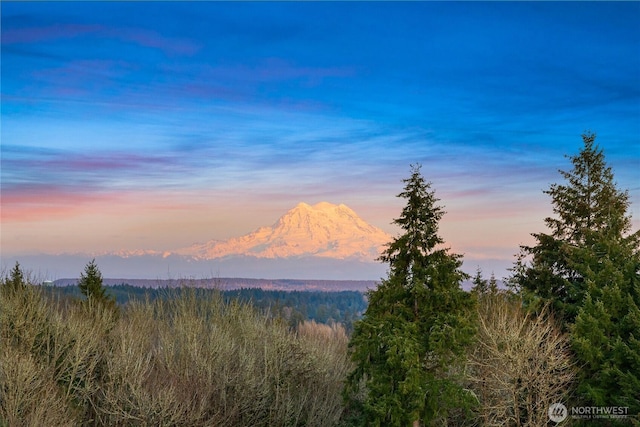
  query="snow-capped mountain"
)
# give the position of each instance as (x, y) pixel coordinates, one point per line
(322, 230)
(323, 241)
(131, 253)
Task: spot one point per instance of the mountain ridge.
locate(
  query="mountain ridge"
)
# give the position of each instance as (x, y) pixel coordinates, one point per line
(320, 230)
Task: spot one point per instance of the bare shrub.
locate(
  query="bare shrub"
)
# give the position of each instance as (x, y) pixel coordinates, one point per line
(30, 396)
(327, 348)
(197, 361)
(192, 360)
(520, 365)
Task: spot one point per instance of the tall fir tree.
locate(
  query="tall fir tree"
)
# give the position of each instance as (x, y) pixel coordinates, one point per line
(588, 267)
(480, 284)
(91, 285)
(493, 284)
(412, 338)
(16, 281)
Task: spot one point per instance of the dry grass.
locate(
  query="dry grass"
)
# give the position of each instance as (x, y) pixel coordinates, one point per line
(189, 361)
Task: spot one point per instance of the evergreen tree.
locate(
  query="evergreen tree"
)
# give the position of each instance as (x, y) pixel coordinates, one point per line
(413, 335)
(591, 216)
(15, 282)
(480, 284)
(588, 267)
(493, 284)
(91, 285)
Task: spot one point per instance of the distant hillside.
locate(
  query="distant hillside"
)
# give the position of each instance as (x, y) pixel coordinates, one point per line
(241, 283)
(231, 283)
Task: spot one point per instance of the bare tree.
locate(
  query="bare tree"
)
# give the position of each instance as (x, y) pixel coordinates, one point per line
(520, 365)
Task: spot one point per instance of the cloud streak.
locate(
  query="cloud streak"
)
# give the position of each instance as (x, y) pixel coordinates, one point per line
(47, 33)
(140, 37)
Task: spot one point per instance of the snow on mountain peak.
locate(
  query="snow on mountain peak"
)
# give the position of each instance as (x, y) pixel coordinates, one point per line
(321, 230)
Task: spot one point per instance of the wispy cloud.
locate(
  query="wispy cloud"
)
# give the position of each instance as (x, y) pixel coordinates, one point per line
(30, 170)
(275, 69)
(153, 39)
(141, 37)
(31, 35)
(38, 202)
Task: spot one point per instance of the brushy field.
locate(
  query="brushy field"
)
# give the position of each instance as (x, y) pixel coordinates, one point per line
(195, 360)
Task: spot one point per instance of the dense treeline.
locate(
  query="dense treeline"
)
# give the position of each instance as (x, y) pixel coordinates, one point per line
(561, 344)
(343, 307)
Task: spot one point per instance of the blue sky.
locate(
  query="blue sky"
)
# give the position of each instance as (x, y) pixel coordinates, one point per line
(154, 125)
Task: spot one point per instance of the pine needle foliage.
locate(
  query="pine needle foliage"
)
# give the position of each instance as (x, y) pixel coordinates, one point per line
(16, 281)
(588, 268)
(92, 287)
(409, 346)
(480, 284)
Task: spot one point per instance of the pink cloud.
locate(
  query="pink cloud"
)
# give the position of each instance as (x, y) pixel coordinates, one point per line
(92, 168)
(34, 203)
(141, 37)
(40, 34)
(237, 82)
(85, 74)
(148, 38)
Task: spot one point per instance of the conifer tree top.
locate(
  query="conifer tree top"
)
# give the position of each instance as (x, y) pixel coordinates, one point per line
(16, 280)
(417, 255)
(91, 282)
(419, 219)
(590, 200)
